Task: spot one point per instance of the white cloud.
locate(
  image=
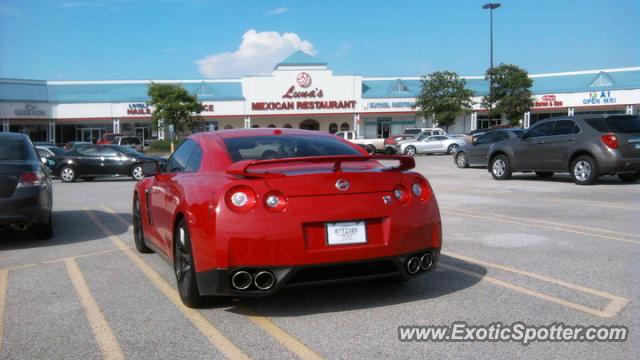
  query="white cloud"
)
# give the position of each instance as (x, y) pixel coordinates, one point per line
(258, 53)
(277, 11)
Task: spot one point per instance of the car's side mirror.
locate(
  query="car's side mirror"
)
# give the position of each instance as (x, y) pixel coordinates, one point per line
(43, 159)
(151, 168)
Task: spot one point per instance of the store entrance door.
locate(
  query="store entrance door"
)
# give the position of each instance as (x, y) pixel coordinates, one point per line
(89, 134)
(144, 133)
(384, 127)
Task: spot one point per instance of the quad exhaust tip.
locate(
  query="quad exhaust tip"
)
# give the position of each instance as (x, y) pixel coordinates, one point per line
(264, 280)
(413, 265)
(426, 261)
(19, 226)
(241, 280)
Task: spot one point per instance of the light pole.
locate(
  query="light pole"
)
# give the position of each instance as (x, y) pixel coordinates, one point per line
(491, 7)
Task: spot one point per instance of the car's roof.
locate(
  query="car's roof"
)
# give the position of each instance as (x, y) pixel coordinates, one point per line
(12, 135)
(233, 133)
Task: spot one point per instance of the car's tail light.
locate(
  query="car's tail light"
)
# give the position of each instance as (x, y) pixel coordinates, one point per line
(240, 199)
(421, 189)
(611, 140)
(390, 141)
(401, 194)
(29, 179)
(275, 201)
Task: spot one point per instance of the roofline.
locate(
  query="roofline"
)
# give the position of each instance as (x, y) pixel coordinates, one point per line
(112, 82)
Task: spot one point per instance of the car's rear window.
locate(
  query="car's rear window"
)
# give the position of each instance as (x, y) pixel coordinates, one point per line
(15, 149)
(285, 146)
(412, 131)
(615, 124)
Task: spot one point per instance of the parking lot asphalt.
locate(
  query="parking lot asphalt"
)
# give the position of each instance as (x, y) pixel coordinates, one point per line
(530, 250)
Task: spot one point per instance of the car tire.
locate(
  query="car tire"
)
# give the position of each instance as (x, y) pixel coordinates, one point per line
(584, 170)
(88, 178)
(389, 151)
(67, 174)
(43, 231)
(461, 160)
(544, 174)
(138, 231)
(453, 148)
(629, 178)
(137, 173)
(410, 150)
(184, 269)
(500, 168)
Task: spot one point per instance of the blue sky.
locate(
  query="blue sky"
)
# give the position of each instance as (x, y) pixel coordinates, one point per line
(188, 39)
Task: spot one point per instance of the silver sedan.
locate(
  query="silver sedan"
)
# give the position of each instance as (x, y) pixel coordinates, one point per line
(432, 145)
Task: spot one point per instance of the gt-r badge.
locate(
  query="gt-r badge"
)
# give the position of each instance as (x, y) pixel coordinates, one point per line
(386, 199)
(342, 185)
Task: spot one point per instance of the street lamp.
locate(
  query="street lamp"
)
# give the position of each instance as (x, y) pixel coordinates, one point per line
(491, 7)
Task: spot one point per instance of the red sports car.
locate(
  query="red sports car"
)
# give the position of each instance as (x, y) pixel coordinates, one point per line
(246, 212)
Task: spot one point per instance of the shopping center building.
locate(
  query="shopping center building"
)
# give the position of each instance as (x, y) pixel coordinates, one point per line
(301, 92)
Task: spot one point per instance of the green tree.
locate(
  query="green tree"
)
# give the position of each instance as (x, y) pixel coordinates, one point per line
(444, 96)
(174, 106)
(511, 92)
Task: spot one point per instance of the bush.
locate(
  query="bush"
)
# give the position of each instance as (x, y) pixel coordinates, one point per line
(160, 145)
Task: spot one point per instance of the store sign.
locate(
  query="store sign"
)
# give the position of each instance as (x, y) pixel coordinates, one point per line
(30, 110)
(391, 104)
(302, 91)
(547, 101)
(599, 98)
(144, 109)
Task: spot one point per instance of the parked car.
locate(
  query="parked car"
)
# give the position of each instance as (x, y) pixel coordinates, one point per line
(585, 146)
(391, 143)
(475, 153)
(234, 185)
(107, 138)
(25, 187)
(423, 131)
(371, 145)
(74, 144)
(133, 142)
(90, 161)
(435, 144)
(47, 151)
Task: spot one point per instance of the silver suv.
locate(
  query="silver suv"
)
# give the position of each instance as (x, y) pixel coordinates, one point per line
(585, 146)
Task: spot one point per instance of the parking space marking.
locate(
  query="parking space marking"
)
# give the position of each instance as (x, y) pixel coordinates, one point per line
(543, 224)
(75, 257)
(592, 203)
(99, 326)
(616, 303)
(221, 342)
(272, 329)
(287, 340)
(4, 278)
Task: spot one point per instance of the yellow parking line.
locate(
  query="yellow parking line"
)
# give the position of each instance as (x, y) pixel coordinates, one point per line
(224, 345)
(616, 303)
(276, 332)
(505, 219)
(592, 203)
(75, 257)
(288, 341)
(101, 330)
(4, 278)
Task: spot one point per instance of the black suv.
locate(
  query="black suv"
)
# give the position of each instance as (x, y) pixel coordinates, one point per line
(586, 146)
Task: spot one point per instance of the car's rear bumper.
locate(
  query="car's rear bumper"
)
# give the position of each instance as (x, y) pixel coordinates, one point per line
(219, 281)
(27, 205)
(619, 165)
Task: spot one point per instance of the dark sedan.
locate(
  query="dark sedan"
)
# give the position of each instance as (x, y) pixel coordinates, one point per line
(25, 187)
(90, 161)
(475, 153)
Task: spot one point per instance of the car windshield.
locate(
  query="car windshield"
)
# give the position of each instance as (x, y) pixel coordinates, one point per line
(14, 149)
(127, 150)
(56, 150)
(283, 146)
(615, 124)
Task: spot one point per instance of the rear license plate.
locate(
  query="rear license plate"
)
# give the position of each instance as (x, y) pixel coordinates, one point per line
(342, 233)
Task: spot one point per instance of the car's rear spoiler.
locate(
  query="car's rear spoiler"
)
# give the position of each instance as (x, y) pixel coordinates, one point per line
(241, 168)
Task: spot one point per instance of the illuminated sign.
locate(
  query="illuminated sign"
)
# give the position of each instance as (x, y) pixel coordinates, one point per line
(599, 98)
(547, 101)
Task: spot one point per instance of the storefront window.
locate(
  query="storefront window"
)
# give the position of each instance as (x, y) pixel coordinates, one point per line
(310, 124)
(333, 128)
(344, 126)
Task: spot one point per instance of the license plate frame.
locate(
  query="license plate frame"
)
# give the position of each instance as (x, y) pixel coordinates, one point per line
(346, 233)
